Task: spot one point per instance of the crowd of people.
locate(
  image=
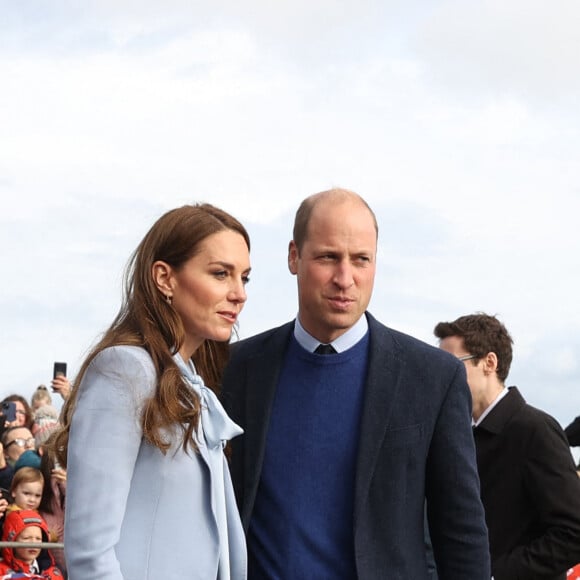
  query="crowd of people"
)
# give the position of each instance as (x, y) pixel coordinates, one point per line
(332, 447)
(32, 486)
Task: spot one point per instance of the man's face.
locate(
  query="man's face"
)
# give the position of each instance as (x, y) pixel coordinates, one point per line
(17, 442)
(336, 267)
(475, 373)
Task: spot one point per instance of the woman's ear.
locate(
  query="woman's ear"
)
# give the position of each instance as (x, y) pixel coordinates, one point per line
(163, 277)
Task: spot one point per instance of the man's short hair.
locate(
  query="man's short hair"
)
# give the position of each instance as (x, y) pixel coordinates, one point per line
(481, 335)
(304, 212)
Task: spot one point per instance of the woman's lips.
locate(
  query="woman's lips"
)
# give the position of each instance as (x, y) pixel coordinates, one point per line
(229, 316)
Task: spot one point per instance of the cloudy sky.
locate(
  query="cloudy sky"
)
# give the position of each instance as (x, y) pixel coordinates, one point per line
(457, 120)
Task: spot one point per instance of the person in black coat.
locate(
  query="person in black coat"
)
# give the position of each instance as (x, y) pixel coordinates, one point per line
(529, 486)
(573, 434)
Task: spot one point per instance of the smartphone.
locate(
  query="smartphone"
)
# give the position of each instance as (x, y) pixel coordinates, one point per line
(59, 369)
(9, 411)
(5, 494)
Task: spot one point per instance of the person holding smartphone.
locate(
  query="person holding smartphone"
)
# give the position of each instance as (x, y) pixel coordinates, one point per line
(61, 385)
(23, 411)
(143, 433)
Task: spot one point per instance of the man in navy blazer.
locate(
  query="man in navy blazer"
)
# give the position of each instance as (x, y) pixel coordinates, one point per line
(352, 429)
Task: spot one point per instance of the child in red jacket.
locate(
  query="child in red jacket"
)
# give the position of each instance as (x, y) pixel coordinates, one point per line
(37, 563)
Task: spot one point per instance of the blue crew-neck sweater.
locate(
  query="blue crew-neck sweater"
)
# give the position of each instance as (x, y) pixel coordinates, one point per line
(302, 524)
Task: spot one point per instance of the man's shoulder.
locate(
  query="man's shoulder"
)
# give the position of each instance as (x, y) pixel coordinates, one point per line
(406, 346)
(402, 345)
(524, 421)
(531, 416)
(257, 342)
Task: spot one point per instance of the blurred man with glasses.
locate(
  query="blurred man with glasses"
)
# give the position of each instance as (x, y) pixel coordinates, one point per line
(15, 441)
(529, 487)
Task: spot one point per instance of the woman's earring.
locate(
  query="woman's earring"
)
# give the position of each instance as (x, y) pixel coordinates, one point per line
(169, 299)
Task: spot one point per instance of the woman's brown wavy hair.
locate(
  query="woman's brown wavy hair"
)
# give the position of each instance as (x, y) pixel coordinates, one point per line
(145, 319)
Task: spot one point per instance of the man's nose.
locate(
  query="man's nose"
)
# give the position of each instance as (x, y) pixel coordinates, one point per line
(343, 274)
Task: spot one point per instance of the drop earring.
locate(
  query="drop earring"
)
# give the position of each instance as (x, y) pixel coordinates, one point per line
(169, 299)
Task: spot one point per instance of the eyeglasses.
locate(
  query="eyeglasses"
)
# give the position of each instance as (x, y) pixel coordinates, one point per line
(20, 442)
(467, 357)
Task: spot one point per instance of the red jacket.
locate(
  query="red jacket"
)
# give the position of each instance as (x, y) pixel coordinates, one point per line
(12, 567)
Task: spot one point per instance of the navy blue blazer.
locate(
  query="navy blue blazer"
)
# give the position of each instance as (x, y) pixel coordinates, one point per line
(415, 443)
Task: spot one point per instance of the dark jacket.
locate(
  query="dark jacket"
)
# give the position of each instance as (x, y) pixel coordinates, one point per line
(530, 491)
(415, 443)
(573, 433)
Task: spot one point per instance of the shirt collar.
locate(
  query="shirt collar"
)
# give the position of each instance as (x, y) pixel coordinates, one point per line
(340, 344)
(501, 395)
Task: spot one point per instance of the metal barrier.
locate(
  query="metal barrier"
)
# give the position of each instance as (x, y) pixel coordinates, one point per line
(41, 545)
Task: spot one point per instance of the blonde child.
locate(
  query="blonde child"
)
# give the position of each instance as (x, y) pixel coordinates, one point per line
(40, 397)
(26, 489)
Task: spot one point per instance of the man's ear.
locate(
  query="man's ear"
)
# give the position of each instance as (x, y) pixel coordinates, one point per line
(292, 258)
(163, 277)
(490, 362)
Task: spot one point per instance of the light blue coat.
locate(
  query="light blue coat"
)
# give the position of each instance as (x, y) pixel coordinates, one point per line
(133, 513)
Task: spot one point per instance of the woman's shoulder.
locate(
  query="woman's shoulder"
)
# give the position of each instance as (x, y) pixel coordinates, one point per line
(122, 366)
(124, 359)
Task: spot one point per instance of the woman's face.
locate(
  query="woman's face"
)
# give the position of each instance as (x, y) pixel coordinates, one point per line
(20, 415)
(27, 495)
(208, 291)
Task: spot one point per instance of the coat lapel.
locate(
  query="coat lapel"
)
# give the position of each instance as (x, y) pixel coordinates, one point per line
(502, 414)
(382, 385)
(263, 371)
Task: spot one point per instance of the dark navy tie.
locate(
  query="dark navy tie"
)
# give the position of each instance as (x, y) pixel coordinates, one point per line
(325, 349)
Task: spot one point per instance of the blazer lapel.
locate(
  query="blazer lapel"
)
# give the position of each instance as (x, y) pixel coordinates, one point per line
(261, 381)
(382, 385)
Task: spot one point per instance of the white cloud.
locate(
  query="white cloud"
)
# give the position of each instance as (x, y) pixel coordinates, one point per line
(566, 361)
(530, 48)
(111, 115)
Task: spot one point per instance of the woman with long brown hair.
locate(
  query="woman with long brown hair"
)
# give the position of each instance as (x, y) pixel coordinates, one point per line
(148, 490)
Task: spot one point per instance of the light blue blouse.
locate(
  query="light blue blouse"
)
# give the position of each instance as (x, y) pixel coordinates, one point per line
(214, 431)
